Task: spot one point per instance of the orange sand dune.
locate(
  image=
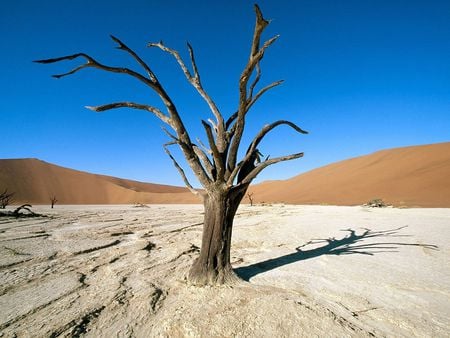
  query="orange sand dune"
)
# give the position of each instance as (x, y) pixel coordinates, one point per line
(35, 182)
(409, 176)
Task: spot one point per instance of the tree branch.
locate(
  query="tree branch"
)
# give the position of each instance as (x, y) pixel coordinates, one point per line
(206, 162)
(205, 148)
(261, 24)
(256, 80)
(230, 120)
(194, 80)
(218, 163)
(251, 102)
(158, 113)
(256, 141)
(175, 54)
(124, 47)
(256, 55)
(252, 175)
(91, 62)
(261, 92)
(268, 127)
(173, 137)
(194, 64)
(179, 168)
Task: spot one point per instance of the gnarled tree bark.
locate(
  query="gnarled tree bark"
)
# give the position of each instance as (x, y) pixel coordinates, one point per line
(213, 265)
(224, 179)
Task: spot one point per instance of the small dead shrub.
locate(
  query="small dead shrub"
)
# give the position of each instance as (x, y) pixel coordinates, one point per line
(376, 203)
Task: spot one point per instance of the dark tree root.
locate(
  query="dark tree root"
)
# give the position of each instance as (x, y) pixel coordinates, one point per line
(201, 276)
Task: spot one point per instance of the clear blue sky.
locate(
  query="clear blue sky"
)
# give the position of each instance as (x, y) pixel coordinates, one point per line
(359, 75)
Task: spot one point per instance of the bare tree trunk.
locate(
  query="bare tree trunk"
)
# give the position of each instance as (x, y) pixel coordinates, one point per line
(53, 201)
(213, 266)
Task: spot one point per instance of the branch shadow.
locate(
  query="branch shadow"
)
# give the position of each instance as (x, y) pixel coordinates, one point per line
(350, 244)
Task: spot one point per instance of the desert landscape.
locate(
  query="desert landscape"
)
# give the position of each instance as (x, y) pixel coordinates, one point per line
(351, 241)
(103, 271)
(112, 257)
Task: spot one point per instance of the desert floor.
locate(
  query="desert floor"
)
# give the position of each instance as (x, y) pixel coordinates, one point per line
(119, 271)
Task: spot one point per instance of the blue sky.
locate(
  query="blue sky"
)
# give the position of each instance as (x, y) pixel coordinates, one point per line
(359, 75)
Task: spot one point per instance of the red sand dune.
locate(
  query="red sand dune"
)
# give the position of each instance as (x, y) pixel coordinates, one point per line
(410, 176)
(35, 182)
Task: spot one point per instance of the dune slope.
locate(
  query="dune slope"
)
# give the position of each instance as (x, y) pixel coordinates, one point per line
(35, 181)
(409, 176)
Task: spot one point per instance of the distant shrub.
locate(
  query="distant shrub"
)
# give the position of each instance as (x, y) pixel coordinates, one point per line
(140, 205)
(5, 198)
(376, 203)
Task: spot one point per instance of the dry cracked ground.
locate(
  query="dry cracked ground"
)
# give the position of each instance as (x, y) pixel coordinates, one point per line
(119, 271)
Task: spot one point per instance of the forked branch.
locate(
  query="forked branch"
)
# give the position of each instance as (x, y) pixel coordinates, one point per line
(260, 93)
(124, 47)
(246, 101)
(257, 140)
(92, 63)
(252, 100)
(194, 80)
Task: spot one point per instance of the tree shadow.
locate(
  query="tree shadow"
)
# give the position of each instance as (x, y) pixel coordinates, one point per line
(352, 243)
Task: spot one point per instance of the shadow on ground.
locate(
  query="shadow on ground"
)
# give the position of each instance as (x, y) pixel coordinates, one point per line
(352, 243)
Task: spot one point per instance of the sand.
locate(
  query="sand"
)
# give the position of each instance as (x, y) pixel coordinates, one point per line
(415, 176)
(36, 182)
(104, 271)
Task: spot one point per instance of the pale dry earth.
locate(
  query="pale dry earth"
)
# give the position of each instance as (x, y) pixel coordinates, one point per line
(312, 271)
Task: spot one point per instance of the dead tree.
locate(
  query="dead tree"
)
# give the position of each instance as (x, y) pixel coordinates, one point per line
(53, 201)
(27, 207)
(250, 198)
(6, 198)
(19, 212)
(225, 179)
